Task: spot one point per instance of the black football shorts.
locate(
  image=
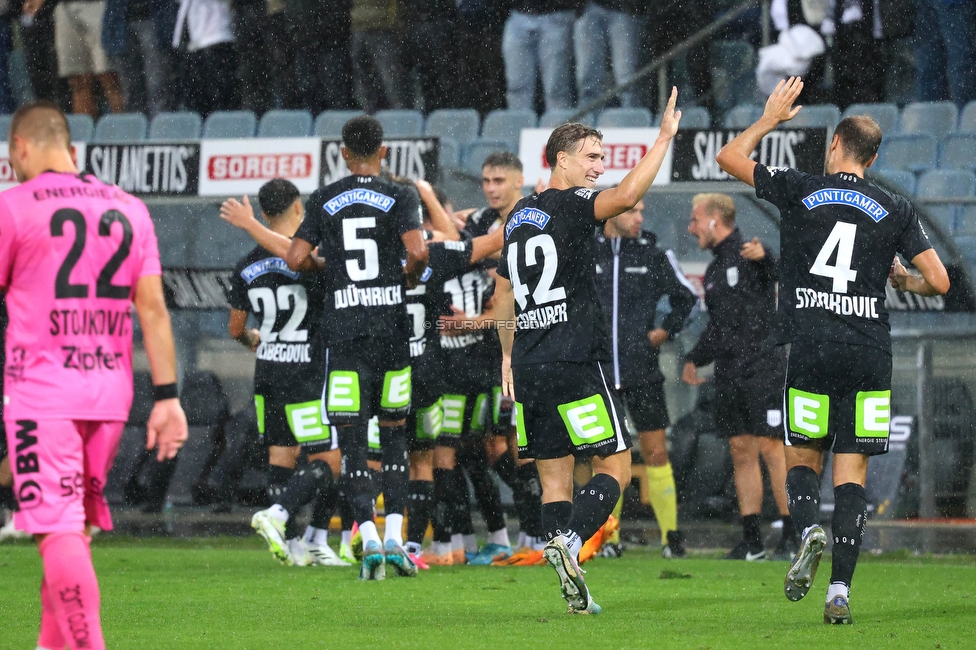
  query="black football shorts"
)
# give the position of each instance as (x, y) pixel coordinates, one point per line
(647, 406)
(367, 377)
(751, 402)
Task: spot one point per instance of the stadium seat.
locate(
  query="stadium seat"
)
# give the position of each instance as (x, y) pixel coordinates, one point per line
(693, 117)
(401, 123)
(967, 121)
(958, 151)
(966, 220)
(448, 153)
(478, 150)
(460, 124)
(183, 125)
(504, 124)
(82, 127)
(553, 118)
(280, 123)
(329, 123)
(886, 115)
(826, 115)
(945, 184)
(624, 118)
(932, 118)
(121, 127)
(229, 124)
(5, 126)
(896, 180)
(742, 116)
(914, 153)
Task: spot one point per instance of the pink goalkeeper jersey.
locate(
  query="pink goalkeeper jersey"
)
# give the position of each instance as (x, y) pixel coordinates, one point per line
(71, 252)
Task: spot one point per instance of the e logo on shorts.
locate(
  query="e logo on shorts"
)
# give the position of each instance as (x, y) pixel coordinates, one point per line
(373, 433)
(396, 389)
(873, 414)
(520, 437)
(453, 422)
(305, 422)
(587, 420)
(809, 413)
(429, 421)
(343, 391)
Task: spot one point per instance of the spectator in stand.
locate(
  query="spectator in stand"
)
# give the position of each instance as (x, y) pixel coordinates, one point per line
(945, 49)
(77, 41)
(323, 73)
(131, 36)
(480, 29)
(538, 39)
(209, 64)
(608, 30)
(379, 75)
(37, 32)
(433, 46)
(674, 21)
(267, 64)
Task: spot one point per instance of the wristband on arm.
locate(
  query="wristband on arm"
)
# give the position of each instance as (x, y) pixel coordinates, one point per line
(165, 391)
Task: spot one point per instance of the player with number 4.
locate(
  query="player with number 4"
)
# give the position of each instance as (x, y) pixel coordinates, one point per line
(555, 341)
(839, 235)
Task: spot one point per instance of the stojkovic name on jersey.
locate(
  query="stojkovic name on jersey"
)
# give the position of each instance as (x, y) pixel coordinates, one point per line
(265, 266)
(285, 352)
(831, 196)
(360, 195)
(532, 216)
(860, 306)
(353, 296)
(542, 317)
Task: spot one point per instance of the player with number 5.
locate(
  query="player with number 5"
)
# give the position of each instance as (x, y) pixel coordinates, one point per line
(555, 341)
(839, 235)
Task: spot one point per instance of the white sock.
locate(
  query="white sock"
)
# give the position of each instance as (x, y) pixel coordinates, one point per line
(394, 529)
(442, 548)
(535, 543)
(368, 529)
(346, 537)
(316, 536)
(523, 540)
(470, 544)
(413, 548)
(457, 542)
(837, 589)
(277, 512)
(499, 537)
(573, 543)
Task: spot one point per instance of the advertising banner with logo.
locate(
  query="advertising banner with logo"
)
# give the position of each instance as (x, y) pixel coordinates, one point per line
(411, 158)
(622, 148)
(157, 168)
(7, 177)
(197, 289)
(694, 152)
(242, 166)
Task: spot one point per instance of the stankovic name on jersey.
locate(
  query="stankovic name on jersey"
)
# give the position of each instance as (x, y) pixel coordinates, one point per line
(860, 306)
(542, 318)
(285, 352)
(353, 296)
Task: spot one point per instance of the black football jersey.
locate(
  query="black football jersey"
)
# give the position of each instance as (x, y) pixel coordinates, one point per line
(425, 301)
(549, 257)
(288, 305)
(357, 223)
(838, 237)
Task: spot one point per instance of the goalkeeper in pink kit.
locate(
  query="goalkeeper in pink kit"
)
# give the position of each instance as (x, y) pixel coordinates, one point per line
(75, 254)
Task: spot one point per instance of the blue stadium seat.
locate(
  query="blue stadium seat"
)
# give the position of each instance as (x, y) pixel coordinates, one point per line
(914, 153)
(478, 150)
(507, 125)
(958, 151)
(896, 180)
(742, 116)
(461, 124)
(966, 220)
(826, 115)
(329, 123)
(932, 118)
(693, 117)
(5, 127)
(401, 123)
(967, 121)
(281, 123)
(82, 127)
(230, 124)
(121, 127)
(553, 118)
(886, 115)
(183, 125)
(448, 153)
(624, 118)
(945, 184)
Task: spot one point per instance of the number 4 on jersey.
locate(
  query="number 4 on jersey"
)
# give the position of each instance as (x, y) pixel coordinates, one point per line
(840, 238)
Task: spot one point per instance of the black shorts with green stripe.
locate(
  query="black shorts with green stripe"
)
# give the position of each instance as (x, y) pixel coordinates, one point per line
(286, 424)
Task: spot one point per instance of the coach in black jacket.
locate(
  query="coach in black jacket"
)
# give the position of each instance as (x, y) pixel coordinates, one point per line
(632, 275)
(750, 370)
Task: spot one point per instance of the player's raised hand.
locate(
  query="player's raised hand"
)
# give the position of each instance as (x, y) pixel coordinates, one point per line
(508, 384)
(166, 430)
(671, 117)
(779, 106)
(753, 250)
(240, 215)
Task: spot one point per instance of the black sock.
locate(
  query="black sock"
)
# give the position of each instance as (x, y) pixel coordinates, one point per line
(7, 497)
(593, 505)
(304, 484)
(278, 478)
(486, 492)
(462, 504)
(396, 478)
(376, 477)
(420, 507)
(325, 507)
(850, 513)
(803, 497)
(788, 531)
(443, 506)
(506, 470)
(345, 505)
(355, 471)
(750, 530)
(555, 517)
(528, 500)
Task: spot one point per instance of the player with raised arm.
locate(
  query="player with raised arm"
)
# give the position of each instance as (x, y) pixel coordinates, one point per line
(554, 356)
(839, 235)
(75, 254)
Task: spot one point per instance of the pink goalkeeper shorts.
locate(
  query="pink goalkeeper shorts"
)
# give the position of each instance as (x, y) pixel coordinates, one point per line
(59, 469)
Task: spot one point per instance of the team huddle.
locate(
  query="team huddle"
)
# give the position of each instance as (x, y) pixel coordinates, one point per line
(403, 353)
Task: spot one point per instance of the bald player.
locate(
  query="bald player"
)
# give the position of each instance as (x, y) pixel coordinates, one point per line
(75, 254)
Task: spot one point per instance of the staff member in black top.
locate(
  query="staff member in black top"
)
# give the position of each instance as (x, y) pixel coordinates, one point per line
(740, 294)
(839, 235)
(632, 275)
(558, 348)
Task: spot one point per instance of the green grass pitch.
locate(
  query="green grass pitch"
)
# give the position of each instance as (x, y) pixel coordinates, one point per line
(229, 593)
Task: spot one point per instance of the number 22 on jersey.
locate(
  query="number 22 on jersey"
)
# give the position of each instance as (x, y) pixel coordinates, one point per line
(63, 288)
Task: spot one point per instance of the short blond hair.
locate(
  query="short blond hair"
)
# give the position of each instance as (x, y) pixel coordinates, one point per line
(716, 203)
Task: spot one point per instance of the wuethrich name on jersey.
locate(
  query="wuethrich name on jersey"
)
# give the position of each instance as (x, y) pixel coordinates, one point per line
(352, 296)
